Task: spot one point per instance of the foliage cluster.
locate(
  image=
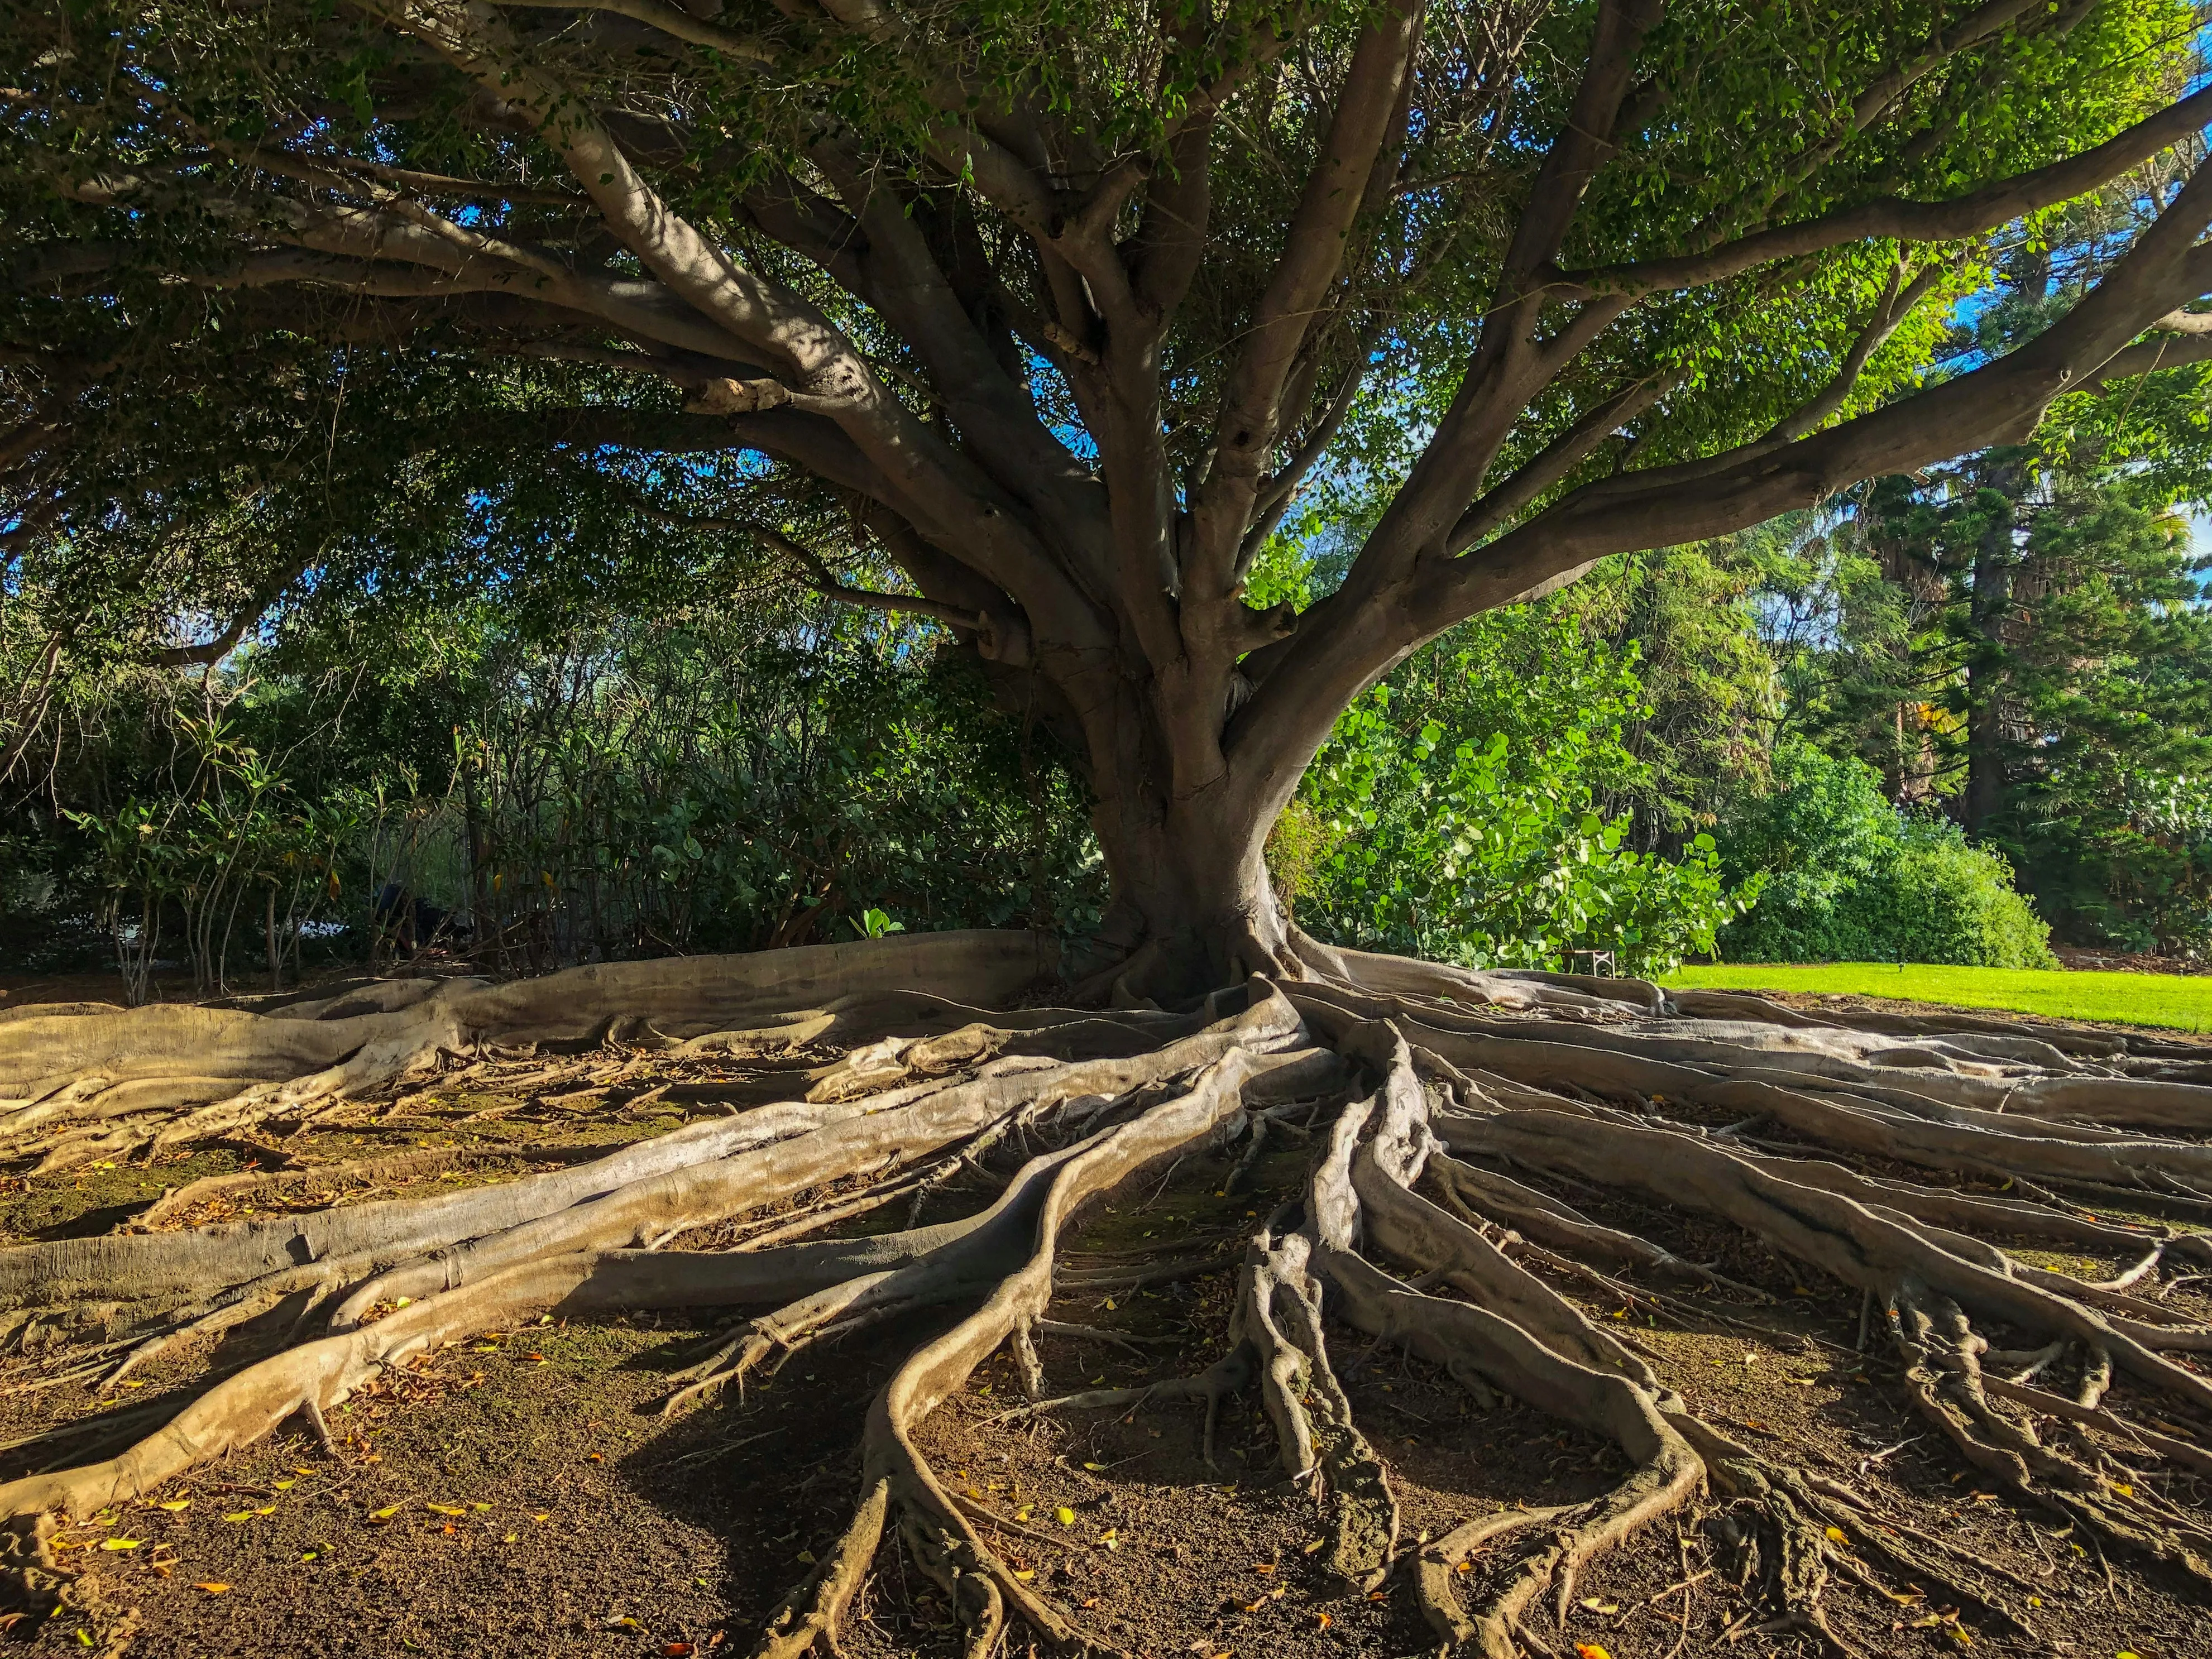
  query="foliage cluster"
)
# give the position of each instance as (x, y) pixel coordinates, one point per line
(670, 784)
(1852, 877)
(1457, 812)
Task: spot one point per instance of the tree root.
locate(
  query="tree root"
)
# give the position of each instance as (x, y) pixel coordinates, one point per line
(1453, 1219)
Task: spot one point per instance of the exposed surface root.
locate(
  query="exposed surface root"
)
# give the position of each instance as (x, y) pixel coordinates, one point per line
(1489, 1174)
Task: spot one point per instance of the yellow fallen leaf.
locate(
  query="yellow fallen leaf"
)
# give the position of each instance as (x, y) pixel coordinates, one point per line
(510, 1538)
(1836, 1536)
(119, 1543)
(445, 1509)
(2124, 1489)
(381, 1515)
(266, 1509)
(1590, 1650)
(1317, 1544)
(1599, 1604)
(240, 1515)
(806, 1558)
(475, 1505)
(213, 1588)
(1065, 1515)
(283, 1486)
(2035, 1601)
(540, 1518)
(1022, 1513)
(1025, 1573)
(1263, 1566)
(174, 1505)
(1325, 1621)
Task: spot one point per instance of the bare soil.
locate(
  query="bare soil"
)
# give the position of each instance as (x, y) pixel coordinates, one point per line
(518, 1493)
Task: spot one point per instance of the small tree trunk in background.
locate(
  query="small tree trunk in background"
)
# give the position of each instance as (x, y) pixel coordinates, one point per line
(1990, 612)
(268, 934)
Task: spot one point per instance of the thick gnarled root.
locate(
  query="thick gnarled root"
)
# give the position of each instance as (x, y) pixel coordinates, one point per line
(98, 1082)
(1519, 1142)
(937, 1533)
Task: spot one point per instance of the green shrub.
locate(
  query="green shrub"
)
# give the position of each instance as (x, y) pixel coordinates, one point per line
(1455, 816)
(1851, 879)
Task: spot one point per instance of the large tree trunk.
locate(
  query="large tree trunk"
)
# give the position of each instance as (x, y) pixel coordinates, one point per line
(1192, 904)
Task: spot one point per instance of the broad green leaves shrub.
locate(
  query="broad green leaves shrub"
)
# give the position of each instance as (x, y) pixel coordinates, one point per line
(1852, 878)
(1424, 826)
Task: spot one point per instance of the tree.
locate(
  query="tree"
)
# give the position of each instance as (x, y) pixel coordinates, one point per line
(1035, 323)
(1066, 330)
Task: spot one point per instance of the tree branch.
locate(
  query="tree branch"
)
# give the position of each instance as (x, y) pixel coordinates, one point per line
(1962, 217)
(1313, 254)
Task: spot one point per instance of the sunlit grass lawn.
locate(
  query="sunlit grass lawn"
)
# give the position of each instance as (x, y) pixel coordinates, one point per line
(2171, 999)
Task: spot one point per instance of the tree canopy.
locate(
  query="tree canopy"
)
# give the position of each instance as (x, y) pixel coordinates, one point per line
(1036, 320)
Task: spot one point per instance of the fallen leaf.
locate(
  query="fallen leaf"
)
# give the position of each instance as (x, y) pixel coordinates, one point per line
(174, 1505)
(1590, 1650)
(1317, 1544)
(2124, 1489)
(283, 1486)
(510, 1538)
(806, 1558)
(119, 1543)
(213, 1588)
(479, 1506)
(1263, 1566)
(540, 1518)
(1022, 1513)
(266, 1509)
(676, 1650)
(1325, 1621)
(1065, 1515)
(241, 1515)
(1836, 1536)
(378, 1517)
(623, 1621)
(1025, 1573)
(1599, 1604)
(445, 1509)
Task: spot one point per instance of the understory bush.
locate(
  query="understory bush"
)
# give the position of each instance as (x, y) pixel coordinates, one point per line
(644, 786)
(1455, 814)
(1851, 878)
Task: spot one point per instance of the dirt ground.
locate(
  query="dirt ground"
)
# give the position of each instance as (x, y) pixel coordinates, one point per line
(520, 1492)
